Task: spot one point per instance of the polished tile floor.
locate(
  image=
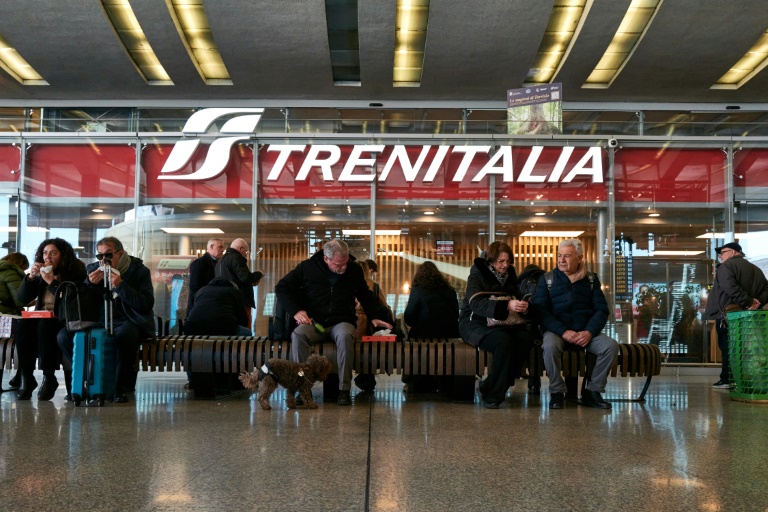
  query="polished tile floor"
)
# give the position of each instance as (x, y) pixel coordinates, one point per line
(689, 447)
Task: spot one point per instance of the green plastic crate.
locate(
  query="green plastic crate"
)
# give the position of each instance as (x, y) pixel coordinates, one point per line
(748, 354)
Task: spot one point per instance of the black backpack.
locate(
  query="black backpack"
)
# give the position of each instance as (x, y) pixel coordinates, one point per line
(78, 305)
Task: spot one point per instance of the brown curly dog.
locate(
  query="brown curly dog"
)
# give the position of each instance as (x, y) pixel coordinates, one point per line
(292, 376)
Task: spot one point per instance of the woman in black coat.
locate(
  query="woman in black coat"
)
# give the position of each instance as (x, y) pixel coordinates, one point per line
(433, 309)
(510, 345)
(55, 262)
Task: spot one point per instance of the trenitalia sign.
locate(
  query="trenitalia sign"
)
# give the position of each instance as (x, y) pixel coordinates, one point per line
(355, 164)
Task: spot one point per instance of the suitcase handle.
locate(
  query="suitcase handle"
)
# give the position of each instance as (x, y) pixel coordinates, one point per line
(91, 369)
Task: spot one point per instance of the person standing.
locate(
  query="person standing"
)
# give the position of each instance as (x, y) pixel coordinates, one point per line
(572, 309)
(737, 283)
(203, 269)
(234, 267)
(320, 295)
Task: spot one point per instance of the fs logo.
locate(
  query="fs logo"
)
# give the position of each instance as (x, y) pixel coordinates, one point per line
(218, 153)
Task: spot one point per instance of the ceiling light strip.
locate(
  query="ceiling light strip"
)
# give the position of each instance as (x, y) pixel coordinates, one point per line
(633, 27)
(126, 26)
(195, 32)
(410, 42)
(565, 23)
(15, 65)
(747, 67)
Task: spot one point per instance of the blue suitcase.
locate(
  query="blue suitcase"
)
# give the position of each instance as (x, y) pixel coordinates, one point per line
(94, 365)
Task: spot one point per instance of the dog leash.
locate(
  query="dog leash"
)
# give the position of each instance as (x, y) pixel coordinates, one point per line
(267, 370)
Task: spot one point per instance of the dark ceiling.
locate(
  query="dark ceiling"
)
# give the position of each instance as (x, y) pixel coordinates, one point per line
(475, 51)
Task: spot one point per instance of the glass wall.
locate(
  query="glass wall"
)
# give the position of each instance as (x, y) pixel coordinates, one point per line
(648, 212)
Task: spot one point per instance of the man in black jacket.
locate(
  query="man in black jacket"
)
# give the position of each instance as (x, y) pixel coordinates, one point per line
(737, 282)
(131, 310)
(234, 267)
(320, 295)
(203, 269)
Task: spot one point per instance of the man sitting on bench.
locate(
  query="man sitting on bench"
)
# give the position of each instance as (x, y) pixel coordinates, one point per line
(573, 309)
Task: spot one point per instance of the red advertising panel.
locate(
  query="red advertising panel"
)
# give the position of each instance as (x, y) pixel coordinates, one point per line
(9, 163)
(234, 182)
(670, 175)
(750, 168)
(80, 170)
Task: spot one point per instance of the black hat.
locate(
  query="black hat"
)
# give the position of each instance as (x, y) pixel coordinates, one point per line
(729, 245)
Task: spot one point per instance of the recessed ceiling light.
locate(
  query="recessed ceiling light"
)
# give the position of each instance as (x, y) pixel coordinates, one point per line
(380, 232)
(317, 212)
(677, 253)
(97, 210)
(638, 18)
(209, 211)
(15, 65)
(410, 41)
(540, 214)
(747, 67)
(192, 231)
(654, 214)
(429, 213)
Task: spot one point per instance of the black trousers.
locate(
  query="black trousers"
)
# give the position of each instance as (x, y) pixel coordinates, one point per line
(722, 342)
(510, 347)
(35, 338)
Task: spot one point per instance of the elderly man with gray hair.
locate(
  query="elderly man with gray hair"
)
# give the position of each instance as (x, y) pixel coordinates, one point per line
(572, 309)
(320, 295)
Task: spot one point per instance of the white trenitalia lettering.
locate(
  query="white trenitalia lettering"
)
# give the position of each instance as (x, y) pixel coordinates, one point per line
(355, 160)
(325, 164)
(526, 175)
(562, 161)
(399, 154)
(596, 170)
(437, 162)
(282, 158)
(469, 155)
(505, 155)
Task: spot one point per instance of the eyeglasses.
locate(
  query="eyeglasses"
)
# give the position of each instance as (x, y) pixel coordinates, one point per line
(107, 255)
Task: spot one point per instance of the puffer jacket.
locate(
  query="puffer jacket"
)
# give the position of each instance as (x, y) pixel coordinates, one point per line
(473, 318)
(579, 306)
(308, 287)
(11, 277)
(432, 312)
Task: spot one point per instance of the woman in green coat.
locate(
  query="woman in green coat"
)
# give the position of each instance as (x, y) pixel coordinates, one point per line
(12, 269)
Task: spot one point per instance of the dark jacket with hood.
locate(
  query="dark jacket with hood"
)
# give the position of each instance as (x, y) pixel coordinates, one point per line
(234, 267)
(219, 309)
(737, 281)
(473, 319)
(310, 287)
(135, 298)
(579, 306)
(11, 277)
(201, 272)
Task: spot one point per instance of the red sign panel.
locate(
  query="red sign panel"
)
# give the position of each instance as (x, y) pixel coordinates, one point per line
(9, 163)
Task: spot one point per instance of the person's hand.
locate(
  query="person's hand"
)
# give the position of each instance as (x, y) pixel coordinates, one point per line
(570, 336)
(116, 279)
(255, 283)
(583, 338)
(48, 277)
(96, 276)
(302, 318)
(381, 323)
(518, 306)
(755, 304)
(34, 270)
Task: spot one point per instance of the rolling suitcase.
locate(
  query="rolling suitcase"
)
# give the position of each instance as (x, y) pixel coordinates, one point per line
(93, 367)
(94, 358)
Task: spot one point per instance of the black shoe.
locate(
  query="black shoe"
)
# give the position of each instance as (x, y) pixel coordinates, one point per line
(488, 404)
(120, 398)
(48, 388)
(593, 399)
(557, 401)
(68, 397)
(27, 387)
(15, 381)
(344, 398)
(721, 384)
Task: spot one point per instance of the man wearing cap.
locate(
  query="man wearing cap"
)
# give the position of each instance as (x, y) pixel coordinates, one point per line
(737, 283)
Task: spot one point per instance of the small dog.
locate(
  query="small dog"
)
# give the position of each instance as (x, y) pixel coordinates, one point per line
(292, 376)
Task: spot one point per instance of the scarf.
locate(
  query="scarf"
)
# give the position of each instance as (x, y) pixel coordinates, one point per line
(123, 263)
(580, 273)
(501, 277)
